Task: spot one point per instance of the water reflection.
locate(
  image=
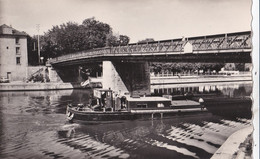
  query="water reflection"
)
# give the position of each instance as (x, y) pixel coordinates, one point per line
(238, 89)
(32, 125)
(189, 137)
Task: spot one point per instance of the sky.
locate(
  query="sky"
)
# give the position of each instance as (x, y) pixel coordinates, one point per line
(138, 19)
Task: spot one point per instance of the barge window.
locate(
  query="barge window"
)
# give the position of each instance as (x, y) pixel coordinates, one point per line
(141, 105)
(160, 105)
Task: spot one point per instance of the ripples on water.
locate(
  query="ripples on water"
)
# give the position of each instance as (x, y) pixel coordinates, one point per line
(33, 126)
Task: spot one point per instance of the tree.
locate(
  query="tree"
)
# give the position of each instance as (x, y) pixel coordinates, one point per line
(72, 37)
(240, 66)
(63, 39)
(123, 40)
(229, 66)
(95, 32)
(113, 40)
(179, 67)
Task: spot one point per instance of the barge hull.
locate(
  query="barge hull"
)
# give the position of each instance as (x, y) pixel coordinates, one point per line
(114, 117)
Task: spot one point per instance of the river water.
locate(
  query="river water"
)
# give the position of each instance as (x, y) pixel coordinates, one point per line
(33, 125)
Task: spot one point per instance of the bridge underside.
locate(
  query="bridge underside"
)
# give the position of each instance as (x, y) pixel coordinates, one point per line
(126, 69)
(131, 78)
(223, 57)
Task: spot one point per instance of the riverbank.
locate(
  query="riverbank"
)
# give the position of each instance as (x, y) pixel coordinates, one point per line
(21, 86)
(238, 145)
(15, 86)
(198, 79)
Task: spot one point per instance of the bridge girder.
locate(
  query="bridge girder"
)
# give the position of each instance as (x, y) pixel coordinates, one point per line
(232, 47)
(236, 57)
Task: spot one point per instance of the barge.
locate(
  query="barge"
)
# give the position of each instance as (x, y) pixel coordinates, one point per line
(230, 107)
(109, 107)
(222, 105)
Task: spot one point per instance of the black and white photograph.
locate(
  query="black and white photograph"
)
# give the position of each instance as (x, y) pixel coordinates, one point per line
(129, 79)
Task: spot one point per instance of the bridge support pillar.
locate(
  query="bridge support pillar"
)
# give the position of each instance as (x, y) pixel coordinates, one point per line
(127, 77)
(53, 75)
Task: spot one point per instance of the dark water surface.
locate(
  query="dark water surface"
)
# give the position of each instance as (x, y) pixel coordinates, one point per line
(33, 125)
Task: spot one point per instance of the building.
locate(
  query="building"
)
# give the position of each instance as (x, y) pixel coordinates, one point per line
(13, 54)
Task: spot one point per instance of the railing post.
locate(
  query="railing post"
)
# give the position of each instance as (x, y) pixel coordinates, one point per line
(226, 42)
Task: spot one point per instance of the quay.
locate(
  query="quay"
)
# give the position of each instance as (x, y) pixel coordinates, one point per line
(36, 86)
(199, 79)
(238, 145)
(22, 86)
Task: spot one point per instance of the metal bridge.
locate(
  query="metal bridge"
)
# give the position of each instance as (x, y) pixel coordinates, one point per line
(230, 47)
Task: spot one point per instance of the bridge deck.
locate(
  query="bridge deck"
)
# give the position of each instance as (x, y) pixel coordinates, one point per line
(233, 44)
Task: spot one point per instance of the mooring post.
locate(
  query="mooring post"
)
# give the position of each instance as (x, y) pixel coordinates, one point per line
(152, 115)
(201, 101)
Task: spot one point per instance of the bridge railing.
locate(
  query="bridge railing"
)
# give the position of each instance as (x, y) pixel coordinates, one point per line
(240, 40)
(82, 54)
(151, 47)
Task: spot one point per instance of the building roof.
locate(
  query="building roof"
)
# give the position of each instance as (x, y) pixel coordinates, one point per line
(12, 31)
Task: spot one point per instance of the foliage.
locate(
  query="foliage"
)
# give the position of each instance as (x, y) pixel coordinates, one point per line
(72, 37)
(123, 40)
(183, 67)
(120, 40)
(229, 66)
(240, 66)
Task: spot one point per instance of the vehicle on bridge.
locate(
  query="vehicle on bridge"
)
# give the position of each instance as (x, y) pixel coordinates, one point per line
(108, 107)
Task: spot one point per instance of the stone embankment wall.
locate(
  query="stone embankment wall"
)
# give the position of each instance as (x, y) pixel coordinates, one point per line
(232, 147)
(198, 79)
(56, 82)
(36, 86)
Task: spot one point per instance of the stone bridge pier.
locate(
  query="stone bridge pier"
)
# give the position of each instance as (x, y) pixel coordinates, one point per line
(127, 77)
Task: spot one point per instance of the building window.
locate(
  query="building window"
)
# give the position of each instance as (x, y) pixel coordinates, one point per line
(18, 60)
(17, 41)
(18, 51)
